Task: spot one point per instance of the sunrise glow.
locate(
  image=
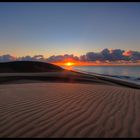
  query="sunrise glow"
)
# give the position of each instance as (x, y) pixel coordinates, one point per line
(69, 64)
(69, 39)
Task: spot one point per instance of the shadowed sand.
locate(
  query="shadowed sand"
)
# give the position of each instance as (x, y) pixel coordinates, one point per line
(64, 76)
(69, 110)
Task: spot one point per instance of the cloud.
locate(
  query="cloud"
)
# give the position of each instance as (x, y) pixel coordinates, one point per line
(92, 56)
(132, 55)
(117, 54)
(32, 58)
(39, 57)
(82, 58)
(135, 55)
(25, 58)
(128, 53)
(60, 58)
(104, 55)
(111, 55)
(7, 58)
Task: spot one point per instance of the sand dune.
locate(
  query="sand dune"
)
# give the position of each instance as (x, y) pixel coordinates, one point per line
(69, 110)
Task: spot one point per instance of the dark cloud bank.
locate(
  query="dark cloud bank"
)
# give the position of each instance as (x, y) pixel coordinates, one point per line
(104, 55)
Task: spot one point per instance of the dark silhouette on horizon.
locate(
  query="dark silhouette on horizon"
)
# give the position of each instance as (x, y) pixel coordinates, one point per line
(27, 66)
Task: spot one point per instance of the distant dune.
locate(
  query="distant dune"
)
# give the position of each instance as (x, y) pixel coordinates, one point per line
(27, 66)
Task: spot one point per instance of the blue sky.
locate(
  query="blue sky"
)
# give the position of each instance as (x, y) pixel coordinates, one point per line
(72, 28)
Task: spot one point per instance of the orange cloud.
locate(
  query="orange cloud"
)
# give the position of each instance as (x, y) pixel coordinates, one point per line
(128, 53)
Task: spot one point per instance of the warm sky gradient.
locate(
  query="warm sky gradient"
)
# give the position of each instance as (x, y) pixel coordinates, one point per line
(68, 28)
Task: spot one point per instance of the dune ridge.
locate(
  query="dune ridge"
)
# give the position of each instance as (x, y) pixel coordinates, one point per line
(28, 66)
(69, 110)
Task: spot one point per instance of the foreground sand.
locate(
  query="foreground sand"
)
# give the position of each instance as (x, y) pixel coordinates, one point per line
(69, 110)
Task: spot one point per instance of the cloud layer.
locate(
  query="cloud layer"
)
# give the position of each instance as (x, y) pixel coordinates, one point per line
(104, 55)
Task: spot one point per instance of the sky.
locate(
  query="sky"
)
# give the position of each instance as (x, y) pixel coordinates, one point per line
(68, 28)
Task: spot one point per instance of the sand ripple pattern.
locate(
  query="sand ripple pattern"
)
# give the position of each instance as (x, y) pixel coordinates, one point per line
(68, 110)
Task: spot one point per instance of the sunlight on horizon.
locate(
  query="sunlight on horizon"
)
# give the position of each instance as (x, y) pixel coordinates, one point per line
(69, 64)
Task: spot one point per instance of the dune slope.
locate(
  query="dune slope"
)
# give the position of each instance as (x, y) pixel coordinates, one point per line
(27, 66)
(69, 110)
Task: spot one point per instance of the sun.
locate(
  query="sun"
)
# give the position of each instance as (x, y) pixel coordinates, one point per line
(69, 64)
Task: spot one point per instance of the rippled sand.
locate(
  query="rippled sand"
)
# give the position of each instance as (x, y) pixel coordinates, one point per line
(69, 110)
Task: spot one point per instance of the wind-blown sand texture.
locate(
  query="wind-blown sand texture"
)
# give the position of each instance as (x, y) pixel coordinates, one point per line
(69, 110)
